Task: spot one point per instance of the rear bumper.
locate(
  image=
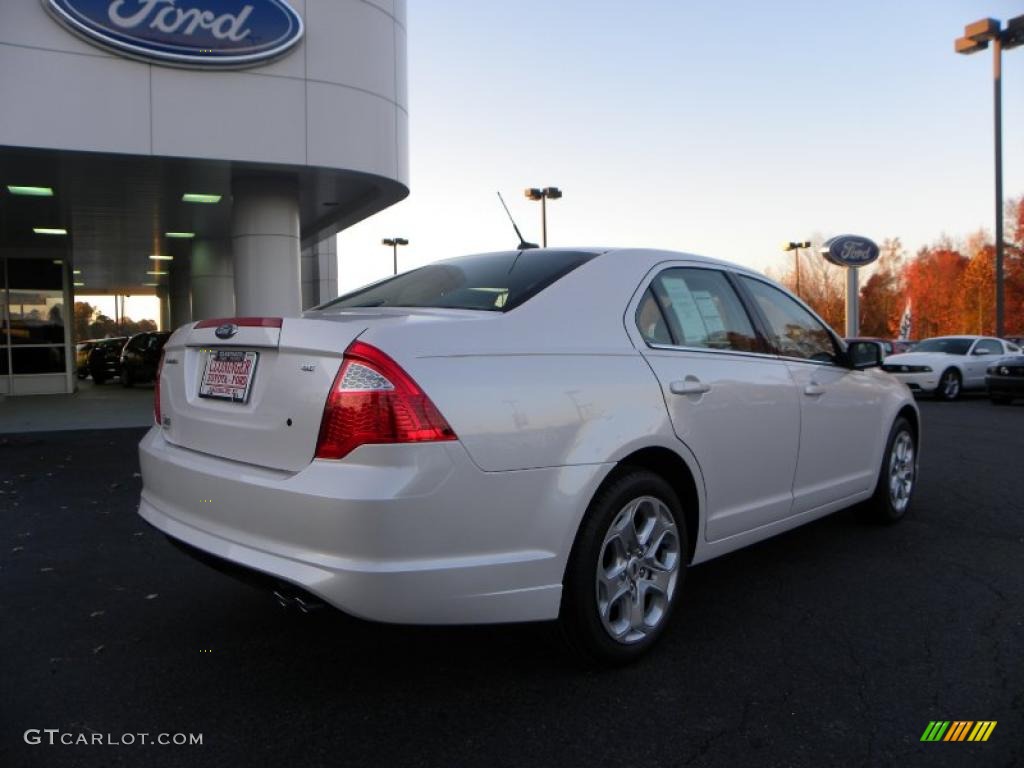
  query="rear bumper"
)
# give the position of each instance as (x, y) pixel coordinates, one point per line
(407, 533)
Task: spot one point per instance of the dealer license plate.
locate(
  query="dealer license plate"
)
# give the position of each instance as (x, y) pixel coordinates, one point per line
(228, 374)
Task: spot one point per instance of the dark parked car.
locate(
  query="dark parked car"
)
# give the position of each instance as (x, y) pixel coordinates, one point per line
(141, 356)
(82, 350)
(105, 359)
(1005, 380)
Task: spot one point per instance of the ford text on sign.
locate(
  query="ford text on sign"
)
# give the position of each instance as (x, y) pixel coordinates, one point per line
(196, 33)
(850, 251)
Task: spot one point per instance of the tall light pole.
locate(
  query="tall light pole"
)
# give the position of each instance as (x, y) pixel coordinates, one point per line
(795, 247)
(976, 38)
(394, 242)
(545, 194)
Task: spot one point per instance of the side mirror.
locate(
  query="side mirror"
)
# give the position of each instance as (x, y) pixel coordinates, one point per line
(864, 354)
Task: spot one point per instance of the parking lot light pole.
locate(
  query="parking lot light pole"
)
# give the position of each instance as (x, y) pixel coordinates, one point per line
(976, 38)
(545, 194)
(394, 242)
(795, 247)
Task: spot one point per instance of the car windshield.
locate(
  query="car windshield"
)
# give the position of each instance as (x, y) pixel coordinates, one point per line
(949, 346)
(496, 282)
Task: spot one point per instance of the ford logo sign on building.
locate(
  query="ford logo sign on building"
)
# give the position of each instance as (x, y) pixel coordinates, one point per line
(190, 33)
(850, 251)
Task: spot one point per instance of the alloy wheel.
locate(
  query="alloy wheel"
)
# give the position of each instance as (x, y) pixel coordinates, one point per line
(637, 570)
(901, 471)
(950, 385)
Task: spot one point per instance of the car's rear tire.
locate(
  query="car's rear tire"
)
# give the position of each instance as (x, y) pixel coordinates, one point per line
(950, 385)
(127, 380)
(626, 569)
(897, 477)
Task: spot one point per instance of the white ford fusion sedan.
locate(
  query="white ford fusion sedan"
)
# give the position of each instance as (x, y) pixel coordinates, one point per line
(521, 436)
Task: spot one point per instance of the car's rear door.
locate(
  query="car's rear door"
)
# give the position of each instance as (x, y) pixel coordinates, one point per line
(733, 405)
(841, 409)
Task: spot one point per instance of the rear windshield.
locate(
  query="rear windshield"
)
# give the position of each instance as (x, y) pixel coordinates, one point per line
(949, 346)
(492, 281)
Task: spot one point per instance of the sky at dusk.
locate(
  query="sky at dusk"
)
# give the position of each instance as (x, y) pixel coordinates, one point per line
(718, 128)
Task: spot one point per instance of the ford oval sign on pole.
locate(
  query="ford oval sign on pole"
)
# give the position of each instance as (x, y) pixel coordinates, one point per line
(188, 33)
(852, 252)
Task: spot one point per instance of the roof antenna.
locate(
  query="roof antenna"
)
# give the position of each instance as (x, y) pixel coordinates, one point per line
(523, 245)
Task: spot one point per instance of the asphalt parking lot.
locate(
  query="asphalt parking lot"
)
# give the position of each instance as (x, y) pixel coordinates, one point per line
(835, 644)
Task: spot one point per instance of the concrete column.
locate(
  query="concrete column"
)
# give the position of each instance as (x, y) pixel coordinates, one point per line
(310, 280)
(163, 295)
(180, 298)
(265, 245)
(213, 286)
(319, 272)
(327, 258)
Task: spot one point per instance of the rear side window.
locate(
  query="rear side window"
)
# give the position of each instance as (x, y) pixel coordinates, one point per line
(700, 309)
(497, 282)
(651, 321)
(795, 332)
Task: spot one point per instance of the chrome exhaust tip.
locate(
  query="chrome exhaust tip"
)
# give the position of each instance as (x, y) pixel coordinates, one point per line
(302, 602)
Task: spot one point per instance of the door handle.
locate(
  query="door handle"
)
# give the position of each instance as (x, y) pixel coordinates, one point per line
(689, 386)
(814, 390)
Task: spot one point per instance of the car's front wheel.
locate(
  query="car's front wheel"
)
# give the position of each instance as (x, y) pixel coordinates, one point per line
(898, 476)
(949, 385)
(626, 569)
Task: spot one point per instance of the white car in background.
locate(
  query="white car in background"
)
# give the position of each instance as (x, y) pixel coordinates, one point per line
(945, 366)
(520, 436)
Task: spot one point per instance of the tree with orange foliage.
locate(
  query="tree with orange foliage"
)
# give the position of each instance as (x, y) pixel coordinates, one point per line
(976, 299)
(881, 300)
(1013, 268)
(933, 282)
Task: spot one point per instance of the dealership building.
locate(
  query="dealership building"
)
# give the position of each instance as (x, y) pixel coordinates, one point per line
(202, 151)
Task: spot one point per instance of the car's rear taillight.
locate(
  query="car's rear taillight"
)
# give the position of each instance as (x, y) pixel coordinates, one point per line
(373, 400)
(156, 391)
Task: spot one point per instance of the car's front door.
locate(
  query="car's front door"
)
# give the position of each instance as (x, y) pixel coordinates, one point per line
(841, 410)
(730, 401)
(981, 356)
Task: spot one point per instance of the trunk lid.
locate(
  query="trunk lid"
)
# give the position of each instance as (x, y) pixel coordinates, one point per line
(292, 368)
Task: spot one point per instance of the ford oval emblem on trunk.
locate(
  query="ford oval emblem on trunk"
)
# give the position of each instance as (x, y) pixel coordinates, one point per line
(850, 251)
(190, 33)
(226, 331)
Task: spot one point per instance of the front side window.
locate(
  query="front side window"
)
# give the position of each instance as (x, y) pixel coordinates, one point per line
(988, 347)
(696, 308)
(795, 332)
